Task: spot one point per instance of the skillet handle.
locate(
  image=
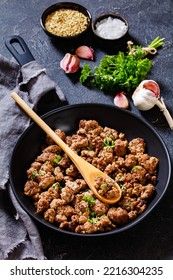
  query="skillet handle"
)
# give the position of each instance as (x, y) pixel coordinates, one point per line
(16, 43)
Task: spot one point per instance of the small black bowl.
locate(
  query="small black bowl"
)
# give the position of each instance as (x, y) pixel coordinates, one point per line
(110, 43)
(71, 6)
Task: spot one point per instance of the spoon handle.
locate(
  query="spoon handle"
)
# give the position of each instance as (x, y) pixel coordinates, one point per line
(83, 166)
(42, 124)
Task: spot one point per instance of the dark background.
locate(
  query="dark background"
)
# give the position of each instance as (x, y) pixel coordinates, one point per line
(153, 237)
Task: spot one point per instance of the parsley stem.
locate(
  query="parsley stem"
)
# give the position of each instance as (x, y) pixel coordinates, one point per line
(156, 43)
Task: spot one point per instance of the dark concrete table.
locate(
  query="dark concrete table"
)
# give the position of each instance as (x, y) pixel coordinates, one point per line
(153, 237)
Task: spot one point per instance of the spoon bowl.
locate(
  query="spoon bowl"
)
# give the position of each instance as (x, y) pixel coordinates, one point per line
(88, 171)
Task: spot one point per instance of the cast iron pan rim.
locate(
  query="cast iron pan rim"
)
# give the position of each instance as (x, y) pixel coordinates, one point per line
(117, 230)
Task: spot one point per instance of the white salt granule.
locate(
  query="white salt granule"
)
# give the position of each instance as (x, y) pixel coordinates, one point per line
(111, 28)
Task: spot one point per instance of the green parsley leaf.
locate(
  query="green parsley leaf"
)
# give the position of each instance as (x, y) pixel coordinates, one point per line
(57, 159)
(103, 186)
(56, 185)
(122, 71)
(89, 199)
(109, 143)
(34, 174)
(136, 167)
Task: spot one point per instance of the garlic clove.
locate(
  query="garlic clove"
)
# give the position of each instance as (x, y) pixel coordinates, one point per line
(70, 63)
(85, 52)
(121, 100)
(74, 64)
(64, 62)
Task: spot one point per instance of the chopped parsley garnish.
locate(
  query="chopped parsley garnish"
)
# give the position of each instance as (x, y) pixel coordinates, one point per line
(103, 186)
(88, 148)
(118, 177)
(93, 214)
(93, 220)
(41, 172)
(109, 143)
(34, 174)
(89, 199)
(57, 159)
(56, 185)
(136, 167)
(122, 187)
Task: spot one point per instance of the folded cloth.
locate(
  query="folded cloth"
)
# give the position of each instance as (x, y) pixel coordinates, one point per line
(19, 237)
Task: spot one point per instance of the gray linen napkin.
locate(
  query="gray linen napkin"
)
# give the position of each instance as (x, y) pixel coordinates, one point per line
(19, 237)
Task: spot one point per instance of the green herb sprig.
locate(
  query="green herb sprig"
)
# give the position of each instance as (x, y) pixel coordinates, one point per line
(121, 71)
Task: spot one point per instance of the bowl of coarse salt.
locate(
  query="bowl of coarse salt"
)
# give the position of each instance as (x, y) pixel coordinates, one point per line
(110, 30)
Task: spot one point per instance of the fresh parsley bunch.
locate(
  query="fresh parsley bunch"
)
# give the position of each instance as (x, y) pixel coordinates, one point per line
(121, 71)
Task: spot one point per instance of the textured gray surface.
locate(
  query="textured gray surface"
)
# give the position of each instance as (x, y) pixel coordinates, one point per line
(152, 238)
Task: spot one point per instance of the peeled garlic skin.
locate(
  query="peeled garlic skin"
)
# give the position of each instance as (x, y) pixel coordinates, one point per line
(70, 63)
(144, 99)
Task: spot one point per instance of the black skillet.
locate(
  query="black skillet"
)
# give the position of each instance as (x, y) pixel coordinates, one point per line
(67, 118)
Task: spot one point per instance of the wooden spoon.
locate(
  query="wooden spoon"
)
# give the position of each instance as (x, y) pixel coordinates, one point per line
(88, 171)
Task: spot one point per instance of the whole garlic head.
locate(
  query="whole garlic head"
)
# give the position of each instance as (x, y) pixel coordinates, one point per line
(146, 95)
(144, 100)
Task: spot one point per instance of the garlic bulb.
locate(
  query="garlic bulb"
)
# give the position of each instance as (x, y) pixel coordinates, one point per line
(144, 99)
(147, 95)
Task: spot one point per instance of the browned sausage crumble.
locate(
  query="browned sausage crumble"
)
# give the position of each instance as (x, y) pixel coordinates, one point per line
(62, 196)
(106, 187)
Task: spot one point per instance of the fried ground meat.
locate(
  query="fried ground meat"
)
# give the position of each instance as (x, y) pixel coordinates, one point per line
(67, 194)
(118, 215)
(61, 195)
(72, 171)
(31, 188)
(52, 149)
(47, 181)
(99, 208)
(148, 162)
(120, 147)
(101, 224)
(77, 185)
(49, 215)
(58, 174)
(137, 146)
(105, 187)
(47, 157)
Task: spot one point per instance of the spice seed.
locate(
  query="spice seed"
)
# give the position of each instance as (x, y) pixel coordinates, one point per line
(66, 22)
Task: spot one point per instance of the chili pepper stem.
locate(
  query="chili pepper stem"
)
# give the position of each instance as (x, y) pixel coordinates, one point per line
(160, 103)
